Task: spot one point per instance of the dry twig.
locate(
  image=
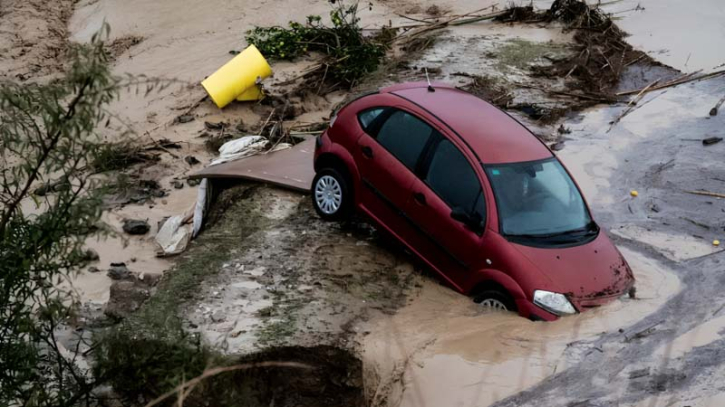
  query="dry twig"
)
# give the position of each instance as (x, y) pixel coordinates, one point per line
(707, 193)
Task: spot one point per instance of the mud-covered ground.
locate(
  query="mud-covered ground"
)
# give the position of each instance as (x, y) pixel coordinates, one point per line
(267, 272)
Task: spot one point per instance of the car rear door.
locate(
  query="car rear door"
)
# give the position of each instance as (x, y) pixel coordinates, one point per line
(387, 155)
(448, 181)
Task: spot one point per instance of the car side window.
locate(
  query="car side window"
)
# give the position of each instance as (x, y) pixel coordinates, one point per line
(451, 176)
(404, 136)
(367, 117)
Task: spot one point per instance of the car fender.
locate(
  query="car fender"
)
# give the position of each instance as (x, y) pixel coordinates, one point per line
(502, 279)
(343, 154)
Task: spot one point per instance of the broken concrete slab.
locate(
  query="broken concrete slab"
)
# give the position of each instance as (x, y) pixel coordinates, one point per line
(291, 168)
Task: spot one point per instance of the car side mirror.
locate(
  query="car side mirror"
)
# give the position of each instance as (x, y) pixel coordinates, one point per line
(472, 221)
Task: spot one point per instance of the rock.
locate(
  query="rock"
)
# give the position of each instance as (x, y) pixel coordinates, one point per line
(119, 271)
(178, 184)
(61, 185)
(434, 11)
(184, 118)
(90, 255)
(93, 269)
(135, 226)
(43, 189)
(218, 316)
(193, 182)
(58, 185)
(126, 297)
(711, 140)
(157, 193)
(214, 126)
(191, 160)
(636, 374)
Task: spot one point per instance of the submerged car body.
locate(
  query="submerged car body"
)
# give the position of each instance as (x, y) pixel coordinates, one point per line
(471, 192)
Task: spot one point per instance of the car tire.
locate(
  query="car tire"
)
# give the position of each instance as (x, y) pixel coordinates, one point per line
(332, 195)
(495, 300)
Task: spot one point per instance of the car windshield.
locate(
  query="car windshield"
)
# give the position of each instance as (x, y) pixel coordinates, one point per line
(538, 199)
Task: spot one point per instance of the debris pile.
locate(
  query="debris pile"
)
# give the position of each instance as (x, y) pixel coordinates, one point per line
(348, 54)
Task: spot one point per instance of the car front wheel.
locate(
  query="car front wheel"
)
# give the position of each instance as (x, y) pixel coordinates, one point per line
(494, 300)
(331, 195)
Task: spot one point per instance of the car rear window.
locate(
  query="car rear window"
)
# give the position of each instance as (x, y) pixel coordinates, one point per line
(404, 136)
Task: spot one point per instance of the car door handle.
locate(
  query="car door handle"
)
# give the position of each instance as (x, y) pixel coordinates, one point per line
(419, 197)
(367, 151)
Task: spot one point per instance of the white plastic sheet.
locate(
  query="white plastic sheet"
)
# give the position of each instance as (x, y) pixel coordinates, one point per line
(200, 207)
(174, 236)
(241, 147)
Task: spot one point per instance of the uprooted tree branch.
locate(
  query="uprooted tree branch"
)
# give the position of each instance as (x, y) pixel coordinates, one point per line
(348, 54)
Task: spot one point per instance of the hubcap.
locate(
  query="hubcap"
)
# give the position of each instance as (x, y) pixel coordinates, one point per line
(328, 194)
(492, 304)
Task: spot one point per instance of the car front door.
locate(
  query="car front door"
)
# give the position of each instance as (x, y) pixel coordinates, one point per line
(448, 188)
(387, 155)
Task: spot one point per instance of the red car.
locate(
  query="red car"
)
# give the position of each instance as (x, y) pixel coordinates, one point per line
(474, 194)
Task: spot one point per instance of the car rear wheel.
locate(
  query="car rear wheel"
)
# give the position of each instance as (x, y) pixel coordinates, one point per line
(494, 300)
(331, 195)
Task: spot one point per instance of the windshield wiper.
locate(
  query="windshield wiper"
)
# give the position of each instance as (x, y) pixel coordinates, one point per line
(589, 229)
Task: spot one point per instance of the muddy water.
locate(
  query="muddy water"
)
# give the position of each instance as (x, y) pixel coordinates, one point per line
(682, 34)
(138, 252)
(701, 335)
(449, 353)
(674, 246)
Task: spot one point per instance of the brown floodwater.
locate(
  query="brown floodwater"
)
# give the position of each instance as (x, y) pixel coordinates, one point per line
(442, 350)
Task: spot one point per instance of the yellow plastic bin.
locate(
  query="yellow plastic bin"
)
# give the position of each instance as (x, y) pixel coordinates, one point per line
(236, 76)
(252, 94)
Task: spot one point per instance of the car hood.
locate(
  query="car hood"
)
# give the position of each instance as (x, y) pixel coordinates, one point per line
(588, 274)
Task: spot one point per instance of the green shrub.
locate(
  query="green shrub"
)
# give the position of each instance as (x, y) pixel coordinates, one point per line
(349, 54)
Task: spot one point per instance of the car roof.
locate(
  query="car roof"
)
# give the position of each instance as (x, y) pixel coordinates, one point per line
(493, 135)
